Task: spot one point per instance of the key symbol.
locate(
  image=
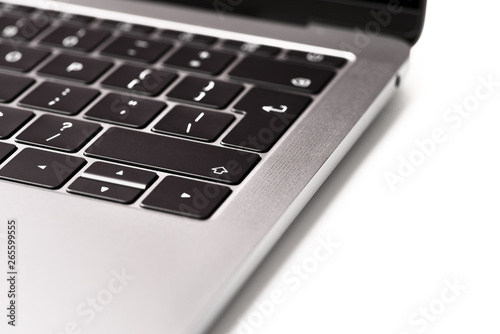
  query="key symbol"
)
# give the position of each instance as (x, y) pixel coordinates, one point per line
(141, 44)
(74, 67)
(57, 99)
(314, 57)
(125, 26)
(200, 97)
(10, 31)
(195, 63)
(13, 56)
(186, 37)
(70, 41)
(301, 82)
(204, 55)
(249, 47)
(220, 170)
(66, 125)
(282, 109)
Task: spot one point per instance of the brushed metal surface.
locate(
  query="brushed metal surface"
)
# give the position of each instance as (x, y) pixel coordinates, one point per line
(186, 270)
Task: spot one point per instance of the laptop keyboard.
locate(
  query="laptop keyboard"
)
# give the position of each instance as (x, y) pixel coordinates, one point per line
(121, 102)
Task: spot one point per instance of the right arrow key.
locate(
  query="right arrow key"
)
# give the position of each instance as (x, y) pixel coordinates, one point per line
(268, 114)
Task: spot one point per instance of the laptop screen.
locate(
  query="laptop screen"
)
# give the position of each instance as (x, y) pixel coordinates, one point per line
(403, 18)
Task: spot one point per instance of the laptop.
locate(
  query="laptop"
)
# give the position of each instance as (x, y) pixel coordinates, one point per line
(153, 152)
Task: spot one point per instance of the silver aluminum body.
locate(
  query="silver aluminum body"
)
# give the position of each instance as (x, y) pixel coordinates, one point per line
(186, 270)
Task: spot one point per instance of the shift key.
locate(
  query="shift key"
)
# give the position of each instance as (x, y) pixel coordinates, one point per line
(173, 155)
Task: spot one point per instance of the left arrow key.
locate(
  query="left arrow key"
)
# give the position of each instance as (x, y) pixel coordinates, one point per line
(41, 168)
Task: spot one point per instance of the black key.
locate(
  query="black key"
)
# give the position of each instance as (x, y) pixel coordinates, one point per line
(268, 114)
(104, 190)
(205, 92)
(173, 155)
(59, 98)
(126, 27)
(41, 168)
(17, 9)
(194, 123)
(139, 80)
(75, 68)
(49, 14)
(137, 49)
(255, 49)
(316, 59)
(11, 120)
(75, 18)
(60, 133)
(20, 58)
(200, 60)
(21, 28)
(186, 197)
(187, 37)
(125, 110)
(76, 38)
(287, 75)
(116, 174)
(6, 150)
(12, 86)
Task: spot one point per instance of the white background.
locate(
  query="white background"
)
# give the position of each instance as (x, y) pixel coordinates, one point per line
(397, 248)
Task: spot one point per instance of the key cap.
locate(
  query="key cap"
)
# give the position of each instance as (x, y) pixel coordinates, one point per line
(287, 75)
(187, 37)
(173, 155)
(20, 58)
(11, 120)
(59, 98)
(186, 197)
(75, 68)
(140, 80)
(126, 27)
(125, 110)
(50, 15)
(250, 48)
(268, 114)
(20, 28)
(200, 60)
(60, 133)
(75, 38)
(121, 175)
(41, 168)
(12, 86)
(205, 92)
(194, 123)
(104, 190)
(316, 59)
(6, 150)
(137, 49)
(75, 18)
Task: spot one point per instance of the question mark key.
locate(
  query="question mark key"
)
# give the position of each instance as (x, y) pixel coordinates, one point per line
(60, 133)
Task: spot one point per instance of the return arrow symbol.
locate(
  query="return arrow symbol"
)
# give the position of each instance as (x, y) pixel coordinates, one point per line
(282, 109)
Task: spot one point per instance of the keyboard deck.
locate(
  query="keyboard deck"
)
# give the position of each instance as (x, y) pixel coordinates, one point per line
(122, 102)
